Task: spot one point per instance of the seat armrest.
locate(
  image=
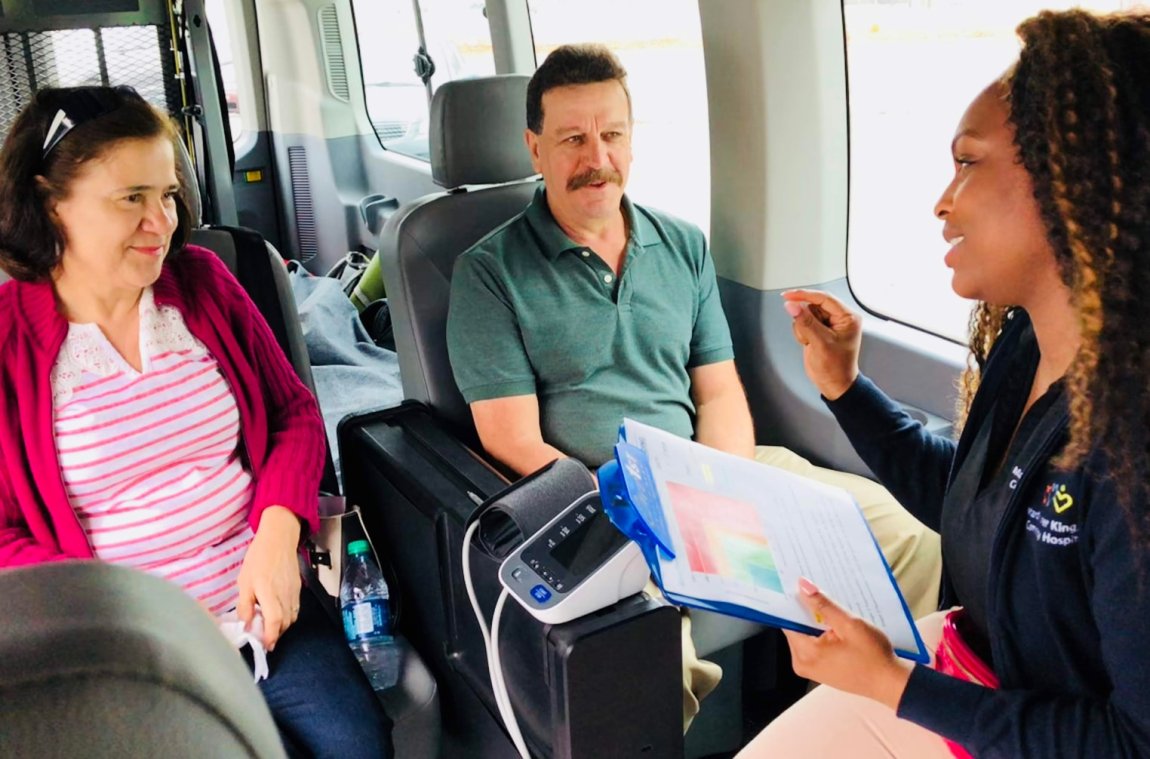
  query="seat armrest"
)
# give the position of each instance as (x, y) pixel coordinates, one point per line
(610, 678)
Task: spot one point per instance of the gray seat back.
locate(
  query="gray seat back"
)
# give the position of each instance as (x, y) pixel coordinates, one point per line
(102, 661)
(223, 244)
(476, 140)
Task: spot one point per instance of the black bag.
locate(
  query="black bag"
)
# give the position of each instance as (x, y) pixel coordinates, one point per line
(376, 319)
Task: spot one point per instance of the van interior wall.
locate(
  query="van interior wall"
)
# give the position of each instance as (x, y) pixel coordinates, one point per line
(328, 154)
(777, 95)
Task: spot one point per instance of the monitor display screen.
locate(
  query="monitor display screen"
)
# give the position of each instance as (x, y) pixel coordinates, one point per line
(588, 545)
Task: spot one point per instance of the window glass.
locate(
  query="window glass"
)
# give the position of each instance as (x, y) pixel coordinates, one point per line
(69, 45)
(222, 37)
(913, 66)
(660, 43)
(115, 55)
(130, 55)
(458, 42)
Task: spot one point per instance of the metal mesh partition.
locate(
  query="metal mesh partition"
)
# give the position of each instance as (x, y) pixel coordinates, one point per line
(139, 56)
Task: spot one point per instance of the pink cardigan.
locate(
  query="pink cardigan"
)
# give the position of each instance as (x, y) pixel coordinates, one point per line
(281, 428)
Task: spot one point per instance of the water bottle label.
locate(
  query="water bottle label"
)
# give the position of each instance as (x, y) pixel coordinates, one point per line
(365, 619)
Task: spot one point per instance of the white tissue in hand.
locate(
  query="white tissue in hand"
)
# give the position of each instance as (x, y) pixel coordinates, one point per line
(233, 629)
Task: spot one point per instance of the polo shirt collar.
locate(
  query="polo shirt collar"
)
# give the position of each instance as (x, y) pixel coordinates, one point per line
(555, 240)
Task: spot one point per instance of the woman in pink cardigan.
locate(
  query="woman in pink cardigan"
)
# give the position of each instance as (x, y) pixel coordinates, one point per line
(149, 418)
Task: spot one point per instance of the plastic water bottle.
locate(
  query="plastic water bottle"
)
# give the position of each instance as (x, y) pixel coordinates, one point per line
(363, 597)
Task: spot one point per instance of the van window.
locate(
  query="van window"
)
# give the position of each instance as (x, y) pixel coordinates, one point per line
(912, 69)
(659, 42)
(456, 39)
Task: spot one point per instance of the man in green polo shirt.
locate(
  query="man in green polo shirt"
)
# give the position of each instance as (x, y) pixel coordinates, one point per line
(587, 307)
(637, 336)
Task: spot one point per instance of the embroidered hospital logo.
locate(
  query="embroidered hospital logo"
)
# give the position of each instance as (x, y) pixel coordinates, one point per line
(1057, 498)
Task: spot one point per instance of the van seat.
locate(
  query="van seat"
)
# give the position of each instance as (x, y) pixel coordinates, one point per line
(107, 662)
(478, 155)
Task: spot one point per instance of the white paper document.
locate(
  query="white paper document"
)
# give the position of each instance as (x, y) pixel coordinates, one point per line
(743, 533)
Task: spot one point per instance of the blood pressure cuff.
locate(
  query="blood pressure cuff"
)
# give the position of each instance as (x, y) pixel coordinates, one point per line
(513, 515)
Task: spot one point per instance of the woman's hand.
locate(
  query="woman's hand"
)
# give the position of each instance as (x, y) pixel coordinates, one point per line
(830, 335)
(852, 655)
(270, 574)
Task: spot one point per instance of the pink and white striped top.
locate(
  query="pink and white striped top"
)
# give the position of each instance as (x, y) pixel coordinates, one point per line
(150, 459)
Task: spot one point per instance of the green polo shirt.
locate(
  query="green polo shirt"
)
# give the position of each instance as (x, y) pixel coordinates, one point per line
(534, 312)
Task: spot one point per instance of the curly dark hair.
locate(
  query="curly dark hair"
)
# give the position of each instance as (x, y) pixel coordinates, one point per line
(567, 65)
(31, 178)
(1080, 106)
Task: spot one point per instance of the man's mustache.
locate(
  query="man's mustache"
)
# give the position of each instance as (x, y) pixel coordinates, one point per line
(594, 176)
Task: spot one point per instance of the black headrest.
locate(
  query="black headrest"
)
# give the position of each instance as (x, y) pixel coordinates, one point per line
(477, 131)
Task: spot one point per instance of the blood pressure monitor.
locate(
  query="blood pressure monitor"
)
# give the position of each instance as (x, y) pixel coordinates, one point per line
(576, 564)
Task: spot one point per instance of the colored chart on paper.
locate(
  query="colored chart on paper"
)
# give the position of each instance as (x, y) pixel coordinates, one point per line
(724, 537)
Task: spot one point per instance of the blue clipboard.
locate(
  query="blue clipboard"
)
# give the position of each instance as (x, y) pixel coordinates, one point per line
(631, 500)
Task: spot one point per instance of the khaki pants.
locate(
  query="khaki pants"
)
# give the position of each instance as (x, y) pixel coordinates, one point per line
(912, 550)
(828, 723)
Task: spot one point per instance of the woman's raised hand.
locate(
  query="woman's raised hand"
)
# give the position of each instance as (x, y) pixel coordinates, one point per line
(830, 335)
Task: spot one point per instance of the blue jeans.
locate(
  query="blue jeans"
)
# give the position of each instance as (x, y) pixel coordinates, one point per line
(319, 697)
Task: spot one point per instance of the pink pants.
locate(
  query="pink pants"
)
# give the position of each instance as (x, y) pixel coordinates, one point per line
(828, 723)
